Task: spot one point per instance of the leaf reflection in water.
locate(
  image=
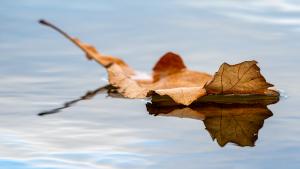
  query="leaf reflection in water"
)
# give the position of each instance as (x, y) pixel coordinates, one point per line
(88, 95)
(226, 123)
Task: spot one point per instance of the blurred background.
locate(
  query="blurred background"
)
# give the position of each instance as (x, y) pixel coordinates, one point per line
(40, 70)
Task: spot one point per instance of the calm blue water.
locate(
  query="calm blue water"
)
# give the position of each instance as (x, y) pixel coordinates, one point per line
(39, 70)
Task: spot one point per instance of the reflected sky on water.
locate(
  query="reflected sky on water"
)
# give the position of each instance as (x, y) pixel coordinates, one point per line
(40, 70)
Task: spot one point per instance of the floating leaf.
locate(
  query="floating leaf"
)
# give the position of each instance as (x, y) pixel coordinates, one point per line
(171, 78)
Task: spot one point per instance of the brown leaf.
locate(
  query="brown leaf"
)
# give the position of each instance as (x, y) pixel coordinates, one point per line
(170, 77)
(242, 78)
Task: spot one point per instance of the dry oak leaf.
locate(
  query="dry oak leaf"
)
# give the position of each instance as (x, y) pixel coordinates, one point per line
(242, 78)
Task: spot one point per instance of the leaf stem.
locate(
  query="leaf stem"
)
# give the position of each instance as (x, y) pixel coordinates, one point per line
(46, 23)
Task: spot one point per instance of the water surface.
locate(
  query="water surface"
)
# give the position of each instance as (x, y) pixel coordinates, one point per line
(40, 70)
